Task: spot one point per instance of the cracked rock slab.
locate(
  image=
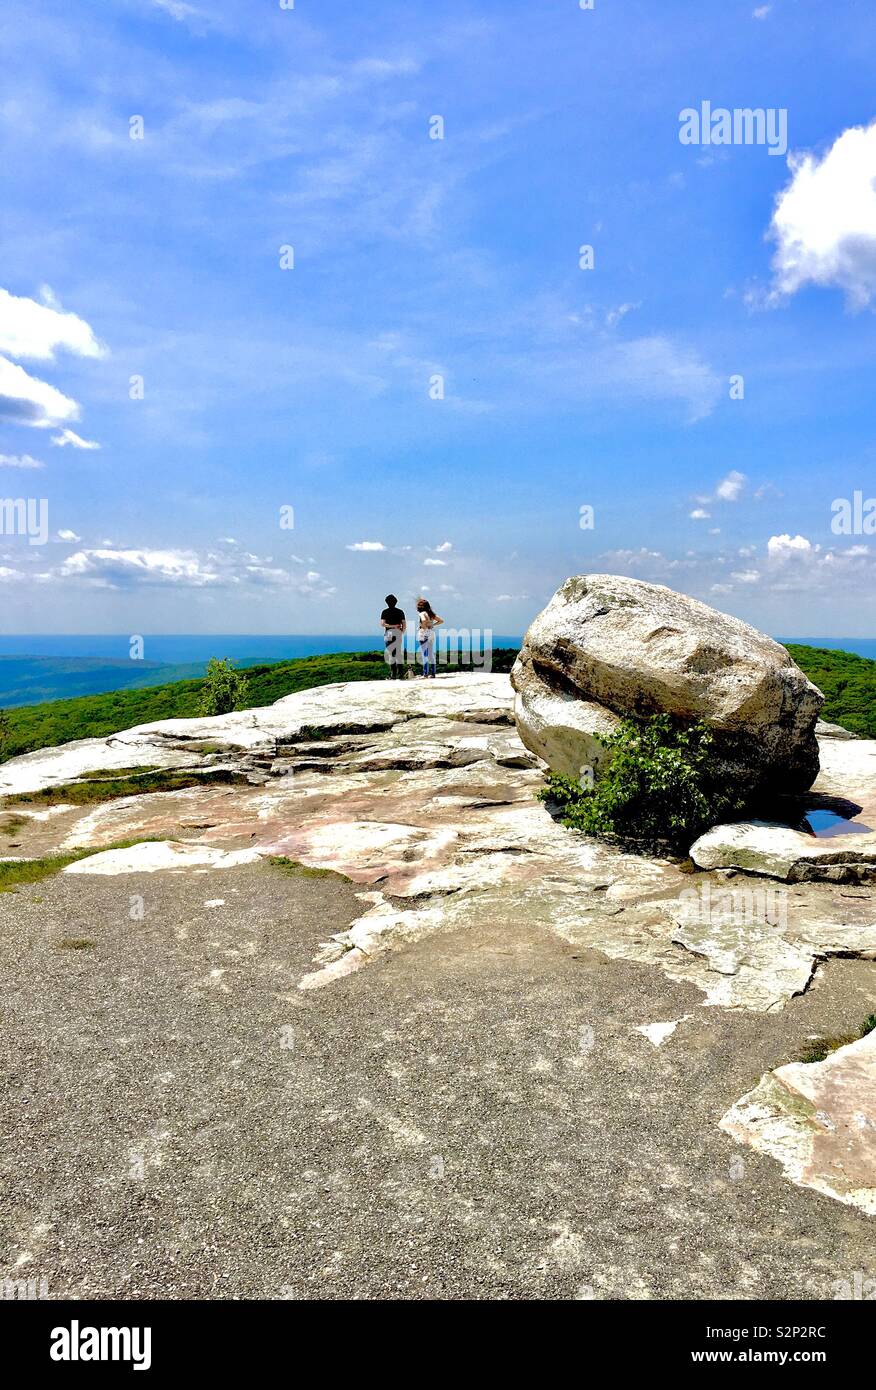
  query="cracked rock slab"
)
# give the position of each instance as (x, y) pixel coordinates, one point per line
(424, 795)
(818, 1119)
(162, 855)
(764, 847)
(848, 773)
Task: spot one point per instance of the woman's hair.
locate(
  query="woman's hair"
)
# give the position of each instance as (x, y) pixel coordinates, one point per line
(390, 600)
(424, 606)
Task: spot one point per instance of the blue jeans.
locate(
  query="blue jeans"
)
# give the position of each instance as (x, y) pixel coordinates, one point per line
(427, 652)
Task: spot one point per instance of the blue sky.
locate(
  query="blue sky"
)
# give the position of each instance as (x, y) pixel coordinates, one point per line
(160, 258)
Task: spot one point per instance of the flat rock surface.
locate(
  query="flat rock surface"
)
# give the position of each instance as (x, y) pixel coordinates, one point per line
(423, 793)
(423, 1078)
(475, 1116)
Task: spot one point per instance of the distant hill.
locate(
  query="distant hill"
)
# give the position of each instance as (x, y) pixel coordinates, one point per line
(28, 680)
(848, 682)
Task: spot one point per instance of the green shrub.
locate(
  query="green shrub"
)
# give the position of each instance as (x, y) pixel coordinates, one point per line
(225, 688)
(659, 785)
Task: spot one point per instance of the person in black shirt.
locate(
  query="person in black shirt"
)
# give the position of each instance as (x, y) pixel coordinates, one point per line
(394, 624)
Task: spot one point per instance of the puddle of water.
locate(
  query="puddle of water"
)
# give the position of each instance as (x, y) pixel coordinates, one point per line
(825, 824)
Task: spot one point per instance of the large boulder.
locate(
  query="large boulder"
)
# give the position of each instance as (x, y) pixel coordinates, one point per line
(607, 646)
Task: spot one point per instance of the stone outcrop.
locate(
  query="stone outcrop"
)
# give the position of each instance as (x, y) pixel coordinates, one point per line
(817, 1119)
(846, 783)
(607, 646)
(778, 851)
(423, 795)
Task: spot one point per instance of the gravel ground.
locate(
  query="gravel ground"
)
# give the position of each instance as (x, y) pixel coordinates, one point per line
(474, 1117)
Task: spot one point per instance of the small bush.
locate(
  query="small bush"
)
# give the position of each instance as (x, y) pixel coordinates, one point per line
(225, 688)
(659, 785)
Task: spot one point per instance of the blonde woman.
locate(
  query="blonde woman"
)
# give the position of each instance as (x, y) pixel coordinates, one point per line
(428, 621)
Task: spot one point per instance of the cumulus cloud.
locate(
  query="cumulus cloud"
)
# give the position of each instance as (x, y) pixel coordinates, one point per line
(367, 545)
(445, 545)
(19, 461)
(698, 514)
(25, 400)
(787, 565)
(32, 330)
(110, 566)
(786, 547)
(120, 567)
(824, 223)
(68, 536)
(430, 561)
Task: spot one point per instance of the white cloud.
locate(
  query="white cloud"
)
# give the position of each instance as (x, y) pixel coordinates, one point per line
(19, 461)
(68, 536)
(746, 576)
(824, 222)
(761, 12)
(32, 330)
(153, 566)
(730, 488)
(67, 436)
(430, 561)
(25, 400)
(367, 545)
(110, 566)
(784, 547)
(445, 545)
